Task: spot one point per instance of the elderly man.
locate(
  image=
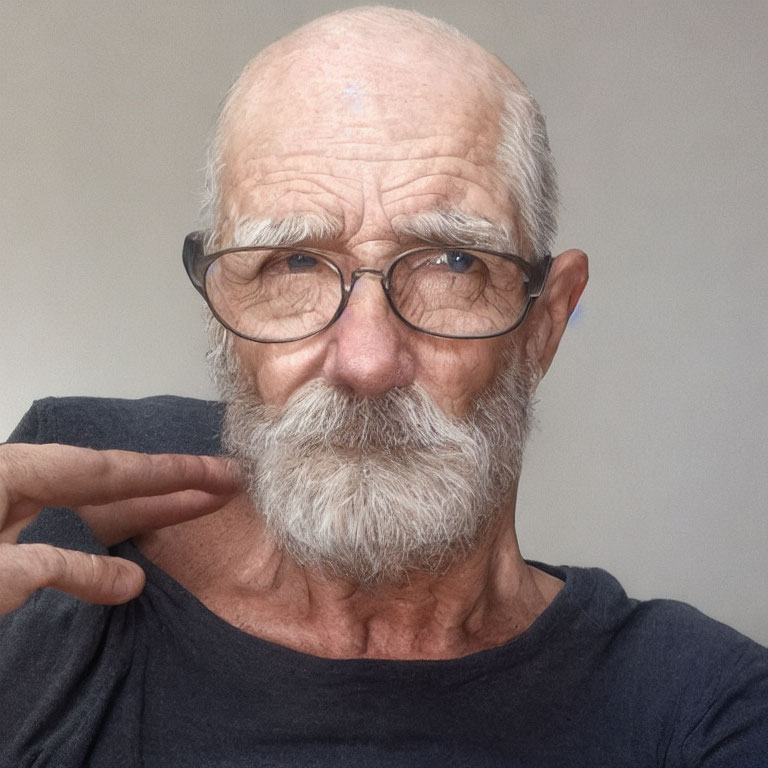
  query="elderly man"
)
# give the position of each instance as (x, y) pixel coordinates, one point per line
(349, 590)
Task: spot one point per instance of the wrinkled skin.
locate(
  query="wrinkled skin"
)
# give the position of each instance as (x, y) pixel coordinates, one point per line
(367, 128)
(361, 140)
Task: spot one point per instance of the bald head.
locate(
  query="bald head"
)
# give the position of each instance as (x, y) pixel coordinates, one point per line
(377, 40)
(375, 82)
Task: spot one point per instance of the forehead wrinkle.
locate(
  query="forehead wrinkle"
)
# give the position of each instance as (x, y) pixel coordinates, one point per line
(451, 178)
(288, 193)
(295, 149)
(307, 182)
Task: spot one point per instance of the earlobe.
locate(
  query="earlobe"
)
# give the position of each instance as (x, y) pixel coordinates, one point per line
(567, 280)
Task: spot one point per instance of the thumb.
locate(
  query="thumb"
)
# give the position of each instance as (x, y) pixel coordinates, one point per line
(25, 568)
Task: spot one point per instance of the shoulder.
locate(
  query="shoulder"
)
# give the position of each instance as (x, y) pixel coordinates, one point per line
(680, 664)
(160, 424)
(669, 628)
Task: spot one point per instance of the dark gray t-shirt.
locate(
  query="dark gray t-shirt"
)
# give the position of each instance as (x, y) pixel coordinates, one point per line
(598, 680)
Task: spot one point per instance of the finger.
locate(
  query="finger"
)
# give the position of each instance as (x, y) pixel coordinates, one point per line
(10, 533)
(25, 568)
(32, 476)
(121, 520)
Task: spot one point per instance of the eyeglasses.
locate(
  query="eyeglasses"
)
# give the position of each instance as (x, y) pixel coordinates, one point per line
(279, 294)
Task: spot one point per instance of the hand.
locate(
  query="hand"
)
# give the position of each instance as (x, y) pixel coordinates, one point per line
(118, 493)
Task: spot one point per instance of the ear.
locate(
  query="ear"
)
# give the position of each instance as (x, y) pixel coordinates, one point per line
(567, 279)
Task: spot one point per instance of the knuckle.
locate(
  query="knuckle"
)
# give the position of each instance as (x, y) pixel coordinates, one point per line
(166, 463)
(159, 466)
(102, 465)
(52, 562)
(52, 566)
(186, 470)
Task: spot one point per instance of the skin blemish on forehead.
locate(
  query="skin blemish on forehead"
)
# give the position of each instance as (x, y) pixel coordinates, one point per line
(354, 97)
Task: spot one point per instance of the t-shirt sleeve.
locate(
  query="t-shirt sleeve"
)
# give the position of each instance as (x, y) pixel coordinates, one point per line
(158, 424)
(51, 647)
(733, 727)
(55, 677)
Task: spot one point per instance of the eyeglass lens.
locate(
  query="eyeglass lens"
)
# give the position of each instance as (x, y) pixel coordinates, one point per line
(277, 294)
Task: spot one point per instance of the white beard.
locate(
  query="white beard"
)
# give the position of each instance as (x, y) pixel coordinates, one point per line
(374, 489)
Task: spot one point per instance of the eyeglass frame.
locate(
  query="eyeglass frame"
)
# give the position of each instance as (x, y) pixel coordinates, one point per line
(197, 262)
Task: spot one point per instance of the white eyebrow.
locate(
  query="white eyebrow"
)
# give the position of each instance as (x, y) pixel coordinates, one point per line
(293, 229)
(437, 226)
(455, 228)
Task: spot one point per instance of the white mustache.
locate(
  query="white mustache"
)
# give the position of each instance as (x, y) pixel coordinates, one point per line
(373, 489)
(319, 416)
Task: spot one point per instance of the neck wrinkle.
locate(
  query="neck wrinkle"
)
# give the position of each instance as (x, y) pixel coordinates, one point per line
(482, 601)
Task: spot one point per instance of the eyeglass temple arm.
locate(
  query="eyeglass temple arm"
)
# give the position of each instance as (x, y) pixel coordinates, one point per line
(540, 276)
(191, 255)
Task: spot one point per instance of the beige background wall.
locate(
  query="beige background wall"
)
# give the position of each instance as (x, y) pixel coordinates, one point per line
(651, 455)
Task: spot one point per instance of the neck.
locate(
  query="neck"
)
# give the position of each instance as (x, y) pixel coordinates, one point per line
(481, 601)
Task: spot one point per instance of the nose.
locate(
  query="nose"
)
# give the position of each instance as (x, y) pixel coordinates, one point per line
(368, 352)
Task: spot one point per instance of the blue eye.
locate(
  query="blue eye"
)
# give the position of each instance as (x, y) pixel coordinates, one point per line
(459, 261)
(301, 262)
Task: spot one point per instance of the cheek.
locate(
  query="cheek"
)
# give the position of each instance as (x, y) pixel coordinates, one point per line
(276, 371)
(455, 373)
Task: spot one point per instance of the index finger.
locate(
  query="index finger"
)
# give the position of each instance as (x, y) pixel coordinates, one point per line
(33, 476)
